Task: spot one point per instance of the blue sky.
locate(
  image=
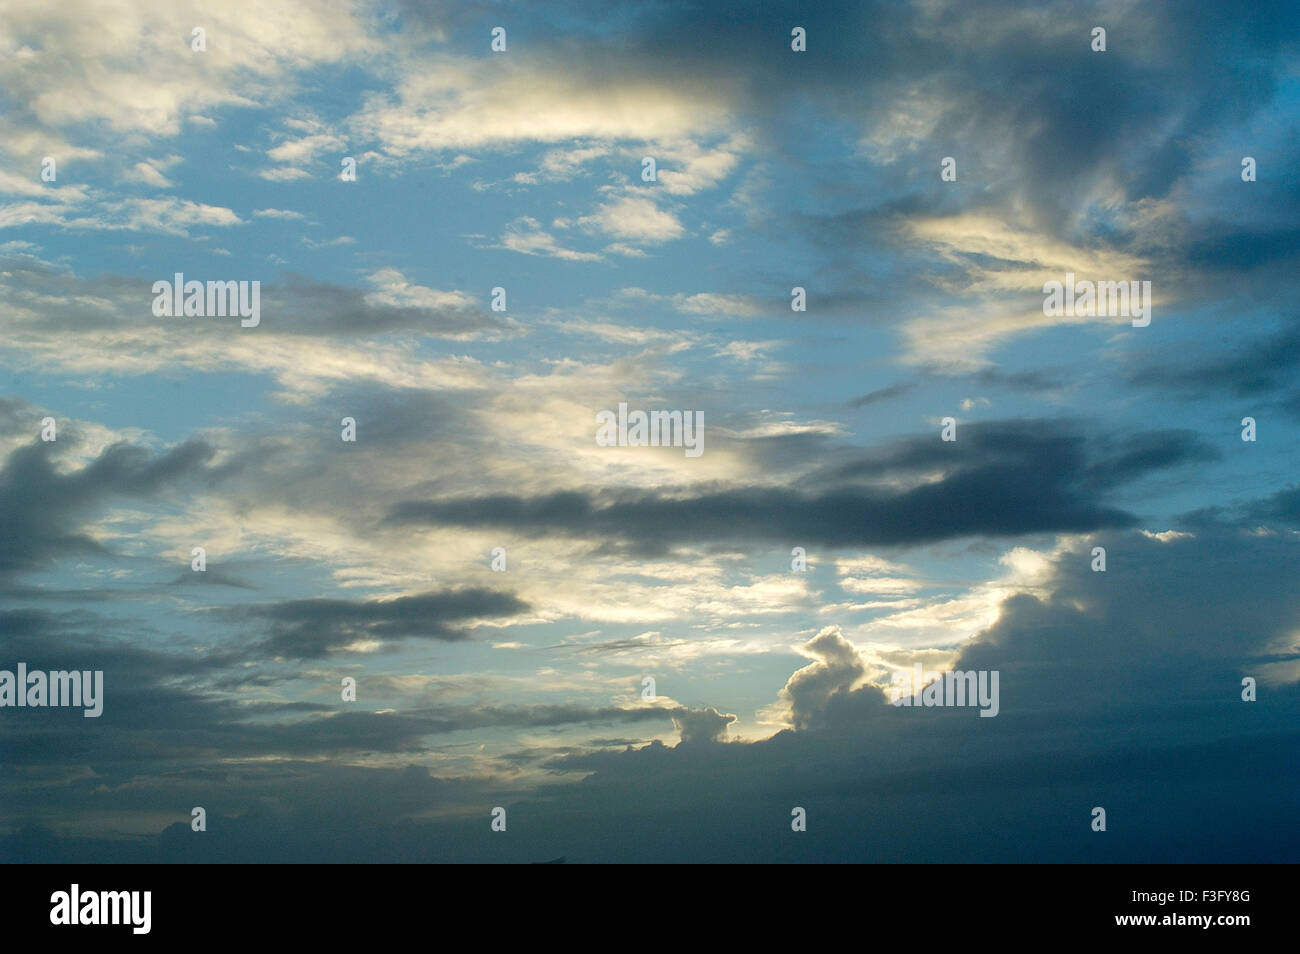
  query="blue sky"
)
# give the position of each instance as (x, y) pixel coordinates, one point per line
(522, 169)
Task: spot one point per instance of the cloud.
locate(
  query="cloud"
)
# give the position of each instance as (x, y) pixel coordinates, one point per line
(284, 174)
(1263, 367)
(525, 234)
(42, 507)
(151, 171)
(706, 725)
(131, 68)
(50, 311)
(465, 104)
(302, 150)
(1119, 689)
(308, 629)
(999, 479)
(91, 210)
(836, 667)
(636, 220)
(883, 394)
(710, 303)
(278, 214)
(561, 165)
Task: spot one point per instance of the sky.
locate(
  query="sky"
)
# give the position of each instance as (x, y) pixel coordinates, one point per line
(838, 267)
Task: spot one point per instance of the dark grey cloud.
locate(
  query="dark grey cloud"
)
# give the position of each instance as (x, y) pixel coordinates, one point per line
(1119, 689)
(391, 421)
(705, 725)
(1015, 133)
(883, 394)
(166, 709)
(1032, 382)
(1040, 82)
(1282, 507)
(294, 304)
(1258, 368)
(836, 669)
(43, 507)
(298, 304)
(314, 628)
(1000, 479)
(1122, 460)
(211, 577)
(614, 646)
